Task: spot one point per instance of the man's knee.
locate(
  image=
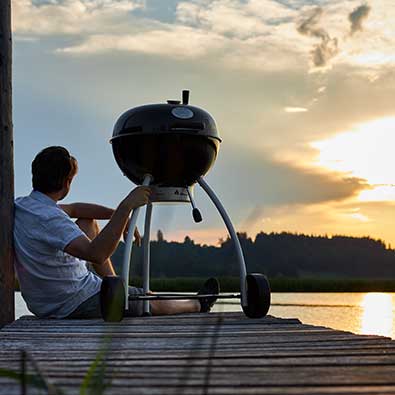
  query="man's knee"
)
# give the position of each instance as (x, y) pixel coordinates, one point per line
(89, 226)
(86, 222)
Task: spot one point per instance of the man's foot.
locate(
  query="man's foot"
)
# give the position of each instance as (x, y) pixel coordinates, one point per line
(210, 287)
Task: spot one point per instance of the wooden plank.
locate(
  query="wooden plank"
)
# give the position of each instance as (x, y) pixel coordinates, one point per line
(200, 344)
(139, 355)
(237, 336)
(243, 377)
(160, 346)
(179, 390)
(231, 317)
(69, 365)
(248, 337)
(7, 307)
(271, 353)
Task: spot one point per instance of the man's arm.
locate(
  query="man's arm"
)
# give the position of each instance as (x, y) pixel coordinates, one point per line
(104, 244)
(87, 210)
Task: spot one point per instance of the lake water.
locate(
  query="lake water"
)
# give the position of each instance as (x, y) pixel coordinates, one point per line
(363, 313)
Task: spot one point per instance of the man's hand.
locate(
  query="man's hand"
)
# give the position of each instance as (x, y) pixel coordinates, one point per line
(137, 236)
(138, 197)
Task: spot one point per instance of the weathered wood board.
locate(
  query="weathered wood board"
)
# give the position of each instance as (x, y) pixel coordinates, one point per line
(216, 353)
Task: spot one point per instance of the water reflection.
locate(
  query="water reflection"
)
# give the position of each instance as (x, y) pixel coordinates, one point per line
(377, 314)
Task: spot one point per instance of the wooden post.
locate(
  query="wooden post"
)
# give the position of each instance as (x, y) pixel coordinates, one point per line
(7, 303)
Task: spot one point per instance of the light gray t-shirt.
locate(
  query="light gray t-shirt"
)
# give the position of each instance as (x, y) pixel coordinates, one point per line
(53, 283)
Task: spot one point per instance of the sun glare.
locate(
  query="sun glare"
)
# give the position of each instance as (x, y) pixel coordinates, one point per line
(366, 152)
(382, 193)
(377, 315)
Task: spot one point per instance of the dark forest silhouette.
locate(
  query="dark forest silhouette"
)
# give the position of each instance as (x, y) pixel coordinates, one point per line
(275, 254)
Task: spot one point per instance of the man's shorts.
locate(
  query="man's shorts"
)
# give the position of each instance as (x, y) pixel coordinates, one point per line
(91, 307)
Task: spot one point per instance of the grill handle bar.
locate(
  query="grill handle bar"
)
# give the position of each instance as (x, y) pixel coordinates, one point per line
(129, 243)
(182, 297)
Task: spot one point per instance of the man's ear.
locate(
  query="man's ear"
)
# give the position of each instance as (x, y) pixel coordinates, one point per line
(68, 182)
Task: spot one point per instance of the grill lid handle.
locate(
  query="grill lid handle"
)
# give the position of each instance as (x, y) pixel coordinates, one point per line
(197, 217)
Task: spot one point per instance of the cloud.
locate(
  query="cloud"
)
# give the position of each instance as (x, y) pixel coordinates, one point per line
(357, 17)
(262, 187)
(240, 33)
(71, 17)
(252, 35)
(256, 176)
(327, 48)
(295, 109)
(235, 18)
(178, 42)
(358, 216)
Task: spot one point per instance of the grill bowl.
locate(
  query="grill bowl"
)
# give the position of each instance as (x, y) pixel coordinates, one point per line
(175, 143)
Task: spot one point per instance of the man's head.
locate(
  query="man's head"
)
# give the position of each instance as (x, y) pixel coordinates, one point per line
(53, 170)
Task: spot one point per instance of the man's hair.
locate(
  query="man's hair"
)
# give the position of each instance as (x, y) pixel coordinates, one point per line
(51, 167)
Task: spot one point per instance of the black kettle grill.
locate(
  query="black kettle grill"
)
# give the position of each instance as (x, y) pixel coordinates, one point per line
(175, 143)
(171, 147)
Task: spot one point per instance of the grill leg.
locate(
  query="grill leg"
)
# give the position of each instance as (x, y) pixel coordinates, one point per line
(233, 236)
(129, 245)
(146, 256)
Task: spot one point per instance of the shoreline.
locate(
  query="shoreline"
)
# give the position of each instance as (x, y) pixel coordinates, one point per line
(283, 284)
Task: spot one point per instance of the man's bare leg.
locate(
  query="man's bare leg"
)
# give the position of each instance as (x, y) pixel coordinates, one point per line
(165, 307)
(91, 228)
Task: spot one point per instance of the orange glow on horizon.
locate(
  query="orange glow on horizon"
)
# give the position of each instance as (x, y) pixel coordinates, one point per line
(200, 236)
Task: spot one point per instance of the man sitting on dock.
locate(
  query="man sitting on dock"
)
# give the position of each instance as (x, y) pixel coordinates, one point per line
(52, 251)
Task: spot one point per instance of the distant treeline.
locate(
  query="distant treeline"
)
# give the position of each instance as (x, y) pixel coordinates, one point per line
(278, 255)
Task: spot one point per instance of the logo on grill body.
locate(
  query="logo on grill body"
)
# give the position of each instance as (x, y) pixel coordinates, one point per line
(182, 113)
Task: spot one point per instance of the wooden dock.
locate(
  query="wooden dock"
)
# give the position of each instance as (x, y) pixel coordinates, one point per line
(216, 353)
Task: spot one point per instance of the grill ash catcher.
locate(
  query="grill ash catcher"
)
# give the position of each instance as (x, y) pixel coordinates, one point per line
(170, 147)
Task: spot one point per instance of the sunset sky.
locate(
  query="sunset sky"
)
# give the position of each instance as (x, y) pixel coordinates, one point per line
(303, 93)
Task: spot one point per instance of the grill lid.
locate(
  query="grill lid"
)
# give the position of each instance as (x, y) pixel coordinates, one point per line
(169, 117)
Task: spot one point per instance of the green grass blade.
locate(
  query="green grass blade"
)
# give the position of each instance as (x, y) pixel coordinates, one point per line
(95, 381)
